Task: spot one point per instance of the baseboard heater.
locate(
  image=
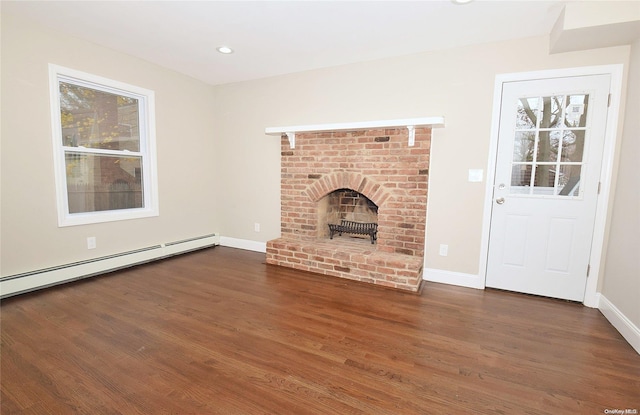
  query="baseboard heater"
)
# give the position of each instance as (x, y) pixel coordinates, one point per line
(34, 280)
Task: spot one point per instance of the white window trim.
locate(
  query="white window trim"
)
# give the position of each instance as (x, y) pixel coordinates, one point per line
(147, 148)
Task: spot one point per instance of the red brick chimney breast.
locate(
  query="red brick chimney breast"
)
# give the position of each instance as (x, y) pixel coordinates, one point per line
(377, 163)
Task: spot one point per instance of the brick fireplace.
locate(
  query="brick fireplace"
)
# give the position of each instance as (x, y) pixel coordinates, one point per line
(375, 175)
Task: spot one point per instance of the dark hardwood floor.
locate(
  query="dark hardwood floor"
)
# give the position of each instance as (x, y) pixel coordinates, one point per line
(219, 332)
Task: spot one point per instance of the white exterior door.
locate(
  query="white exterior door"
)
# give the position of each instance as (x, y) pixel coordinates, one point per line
(550, 144)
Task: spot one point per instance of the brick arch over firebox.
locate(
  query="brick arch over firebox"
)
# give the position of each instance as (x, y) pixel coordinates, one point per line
(348, 180)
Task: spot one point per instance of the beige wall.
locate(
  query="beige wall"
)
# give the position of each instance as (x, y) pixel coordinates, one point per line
(457, 84)
(219, 172)
(621, 284)
(31, 239)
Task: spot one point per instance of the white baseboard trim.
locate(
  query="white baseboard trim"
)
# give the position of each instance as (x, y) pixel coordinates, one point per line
(453, 278)
(629, 331)
(243, 244)
(29, 281)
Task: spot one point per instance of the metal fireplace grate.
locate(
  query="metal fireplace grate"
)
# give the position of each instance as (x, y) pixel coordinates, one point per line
(357, 228)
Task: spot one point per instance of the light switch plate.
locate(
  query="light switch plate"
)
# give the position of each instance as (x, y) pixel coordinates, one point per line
(475, 175)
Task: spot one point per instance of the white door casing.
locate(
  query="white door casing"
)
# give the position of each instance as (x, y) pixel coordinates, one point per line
(546, 185)
(554, 255)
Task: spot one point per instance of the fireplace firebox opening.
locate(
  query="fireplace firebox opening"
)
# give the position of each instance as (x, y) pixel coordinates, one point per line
(347, 209)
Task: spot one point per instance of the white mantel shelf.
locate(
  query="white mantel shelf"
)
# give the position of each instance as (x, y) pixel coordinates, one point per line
(410, 123)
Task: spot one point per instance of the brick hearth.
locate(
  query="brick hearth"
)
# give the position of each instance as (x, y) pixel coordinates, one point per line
(377, 163)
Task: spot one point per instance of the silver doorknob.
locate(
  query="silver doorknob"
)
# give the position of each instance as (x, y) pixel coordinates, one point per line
(500, 200)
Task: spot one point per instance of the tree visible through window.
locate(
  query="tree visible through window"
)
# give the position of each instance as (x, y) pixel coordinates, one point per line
(104, 141)
(549, 145)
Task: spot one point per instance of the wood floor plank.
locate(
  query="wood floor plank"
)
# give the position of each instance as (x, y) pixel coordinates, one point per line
(220, 332)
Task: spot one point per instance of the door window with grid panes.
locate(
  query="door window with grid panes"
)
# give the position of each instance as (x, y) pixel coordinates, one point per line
(549, 144)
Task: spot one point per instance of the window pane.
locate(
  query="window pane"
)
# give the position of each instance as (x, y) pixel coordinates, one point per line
(544, 180)
(97, 119)
(98, 182)
(520, 175)
(569, 180)
(551, 112)
(576, 114)
(573, 145)
(527, 112)
(548, 146)
(523, 146)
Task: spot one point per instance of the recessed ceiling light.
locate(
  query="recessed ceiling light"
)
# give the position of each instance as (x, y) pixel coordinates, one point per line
(461, 1)
(224, 49)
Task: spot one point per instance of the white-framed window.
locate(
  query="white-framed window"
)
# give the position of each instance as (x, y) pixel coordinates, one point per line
(104, 148)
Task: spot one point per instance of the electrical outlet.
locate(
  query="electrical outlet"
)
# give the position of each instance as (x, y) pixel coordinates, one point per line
(91, 242)
(256, 227)
(444, 250)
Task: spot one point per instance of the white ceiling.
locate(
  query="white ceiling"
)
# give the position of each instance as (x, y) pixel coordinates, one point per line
(277, 37)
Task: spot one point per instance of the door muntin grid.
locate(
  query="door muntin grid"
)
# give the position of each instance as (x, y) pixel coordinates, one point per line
(549, 142)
